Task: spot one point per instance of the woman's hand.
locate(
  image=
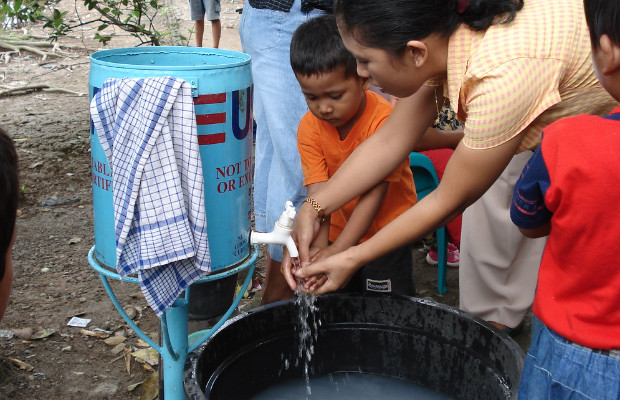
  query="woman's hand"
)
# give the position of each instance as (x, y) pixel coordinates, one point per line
(331, 273)
(316, 254)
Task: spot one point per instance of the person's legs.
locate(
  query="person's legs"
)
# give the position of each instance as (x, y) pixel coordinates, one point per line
(278, 108)
(197, 9)
(498, 265)
(275, 287)
(199, 27)
(216, 32)
(213, 15)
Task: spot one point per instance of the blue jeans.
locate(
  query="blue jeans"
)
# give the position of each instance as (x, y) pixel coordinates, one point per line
(556, 369)
(278, 108)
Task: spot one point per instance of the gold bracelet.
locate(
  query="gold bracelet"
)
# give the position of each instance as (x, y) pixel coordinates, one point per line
(317, 207)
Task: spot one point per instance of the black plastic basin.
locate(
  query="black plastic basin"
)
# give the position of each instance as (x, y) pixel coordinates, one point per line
(418, 340)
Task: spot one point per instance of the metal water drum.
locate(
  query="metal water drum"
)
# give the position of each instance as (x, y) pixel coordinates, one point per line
(415, 340)
(222, 91)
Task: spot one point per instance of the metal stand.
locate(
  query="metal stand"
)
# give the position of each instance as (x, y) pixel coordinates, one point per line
(176, 342)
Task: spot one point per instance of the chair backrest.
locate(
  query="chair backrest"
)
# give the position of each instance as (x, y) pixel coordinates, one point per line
(424, 175)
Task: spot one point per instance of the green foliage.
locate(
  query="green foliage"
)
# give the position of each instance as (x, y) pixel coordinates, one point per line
(18, 12)
(133, 16)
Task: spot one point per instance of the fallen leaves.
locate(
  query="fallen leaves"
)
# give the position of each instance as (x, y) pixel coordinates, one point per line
(100, 334)
(114, 340)
(20, 364)
(43, 333)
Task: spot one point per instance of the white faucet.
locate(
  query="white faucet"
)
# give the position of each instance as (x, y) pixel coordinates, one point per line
(281, 233)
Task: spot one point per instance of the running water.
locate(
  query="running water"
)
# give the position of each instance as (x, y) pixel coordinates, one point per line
(308, 331)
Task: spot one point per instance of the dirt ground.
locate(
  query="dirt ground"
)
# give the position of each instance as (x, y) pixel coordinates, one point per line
(40, 356)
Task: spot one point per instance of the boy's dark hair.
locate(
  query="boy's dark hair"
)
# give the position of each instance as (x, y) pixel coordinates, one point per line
(9, 192)
(390, 24)
(317, 48)
(602, 17)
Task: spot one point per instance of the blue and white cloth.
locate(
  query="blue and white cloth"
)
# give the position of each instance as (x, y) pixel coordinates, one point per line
(147, 128)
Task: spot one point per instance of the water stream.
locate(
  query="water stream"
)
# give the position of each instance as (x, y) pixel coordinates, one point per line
(308, 332)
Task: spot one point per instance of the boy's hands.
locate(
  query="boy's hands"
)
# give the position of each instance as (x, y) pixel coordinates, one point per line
(305, 229)
(291, 265)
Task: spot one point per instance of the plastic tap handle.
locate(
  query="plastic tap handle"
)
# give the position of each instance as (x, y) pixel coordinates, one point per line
(288, 216)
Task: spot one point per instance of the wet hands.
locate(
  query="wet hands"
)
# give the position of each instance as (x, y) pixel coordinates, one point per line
(292, 266)
(317, 270)
(305, 229)
(328, 274)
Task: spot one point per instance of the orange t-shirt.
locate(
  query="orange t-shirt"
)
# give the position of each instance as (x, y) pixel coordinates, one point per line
(322, 153)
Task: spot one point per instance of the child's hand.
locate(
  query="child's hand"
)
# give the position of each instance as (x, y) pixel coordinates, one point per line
(324, 253)
(314, 282)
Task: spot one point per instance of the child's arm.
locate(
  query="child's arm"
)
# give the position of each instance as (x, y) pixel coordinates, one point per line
(528, 210)
(537, 232)
(364, 213)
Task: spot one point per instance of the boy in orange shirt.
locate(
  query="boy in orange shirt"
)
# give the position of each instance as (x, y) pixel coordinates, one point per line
(343, 113)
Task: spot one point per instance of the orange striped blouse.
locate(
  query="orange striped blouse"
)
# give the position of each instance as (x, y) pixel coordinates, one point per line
(523, 75)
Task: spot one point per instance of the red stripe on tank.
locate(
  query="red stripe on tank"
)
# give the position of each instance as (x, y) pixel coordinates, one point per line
(210, 98)
(208, 119)
(213, 138)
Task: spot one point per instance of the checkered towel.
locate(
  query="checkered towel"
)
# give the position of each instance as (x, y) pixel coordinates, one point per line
(147, 128)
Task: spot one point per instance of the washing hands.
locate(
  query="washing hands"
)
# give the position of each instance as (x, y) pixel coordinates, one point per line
(316, 271)
(321, 274)
(304, 284)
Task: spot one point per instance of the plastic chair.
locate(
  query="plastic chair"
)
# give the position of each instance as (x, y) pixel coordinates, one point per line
(425, 179)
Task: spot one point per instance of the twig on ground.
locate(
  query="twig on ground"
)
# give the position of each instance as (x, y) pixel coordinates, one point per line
(31, 88)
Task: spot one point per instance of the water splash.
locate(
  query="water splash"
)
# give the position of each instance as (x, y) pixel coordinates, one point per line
(308, 331)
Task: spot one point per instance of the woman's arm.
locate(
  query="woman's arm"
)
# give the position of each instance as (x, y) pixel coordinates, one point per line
(468, 175)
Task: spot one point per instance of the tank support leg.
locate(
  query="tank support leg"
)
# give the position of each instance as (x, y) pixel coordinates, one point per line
(174, 353)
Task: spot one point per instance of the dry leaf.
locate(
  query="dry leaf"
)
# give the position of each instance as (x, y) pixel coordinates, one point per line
(43, 333)
(149, 355)
(101, 335)
(20, 364)
(128, 361)
(118, 348)
(114, 340)
(150, 387)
